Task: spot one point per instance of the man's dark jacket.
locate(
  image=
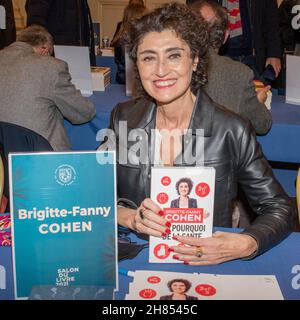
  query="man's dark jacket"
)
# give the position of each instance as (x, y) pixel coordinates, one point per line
(263, 16)
(289, 36)
(230, 147)
(68, 21)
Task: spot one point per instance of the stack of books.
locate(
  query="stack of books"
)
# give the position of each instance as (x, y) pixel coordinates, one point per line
(100, 78)
(107, 52)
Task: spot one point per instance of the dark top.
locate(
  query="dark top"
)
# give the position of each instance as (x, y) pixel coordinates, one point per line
(264, 26)
(68, 21)
(120, 62)
(241, 45)
(192, 203)
(289, 35)
(14, 138)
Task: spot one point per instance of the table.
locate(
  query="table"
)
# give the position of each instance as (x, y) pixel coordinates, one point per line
(282, 261)
(281, 144)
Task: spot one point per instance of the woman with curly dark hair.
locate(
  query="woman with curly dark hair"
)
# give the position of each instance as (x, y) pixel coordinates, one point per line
(189, 31)
(179, 287)
(184, 187)
(174, 123)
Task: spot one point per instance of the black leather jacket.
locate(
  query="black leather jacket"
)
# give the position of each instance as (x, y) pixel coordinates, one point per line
(230, 146)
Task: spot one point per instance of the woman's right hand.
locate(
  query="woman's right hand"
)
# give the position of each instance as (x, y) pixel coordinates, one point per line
(148, 220)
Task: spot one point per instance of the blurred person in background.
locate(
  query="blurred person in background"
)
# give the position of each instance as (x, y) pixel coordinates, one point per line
(230, 83)
(132, 11)
(141, 2)
(254, 33)
(68, 21)
(36, 89)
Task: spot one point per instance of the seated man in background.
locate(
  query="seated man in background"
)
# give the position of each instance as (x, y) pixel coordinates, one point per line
(230, 83)
(36, 89)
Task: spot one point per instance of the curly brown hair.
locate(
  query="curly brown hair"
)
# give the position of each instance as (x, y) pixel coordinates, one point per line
(187, 284)
(186, 180)
(185, 23)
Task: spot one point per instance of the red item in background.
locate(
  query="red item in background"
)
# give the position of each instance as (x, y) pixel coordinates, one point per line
(5, 238)
(3, 204)
(5, 230)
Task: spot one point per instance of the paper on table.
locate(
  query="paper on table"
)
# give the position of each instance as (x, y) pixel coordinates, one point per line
(292, 79)
(78, 60)
(152, 285)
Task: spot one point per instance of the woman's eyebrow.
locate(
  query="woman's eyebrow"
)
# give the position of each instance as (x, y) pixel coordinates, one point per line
(174, 49)
(167, 50)
(147, 52)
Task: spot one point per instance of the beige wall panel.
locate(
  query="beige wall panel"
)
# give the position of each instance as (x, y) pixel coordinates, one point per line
(110, 13)
(20, 14)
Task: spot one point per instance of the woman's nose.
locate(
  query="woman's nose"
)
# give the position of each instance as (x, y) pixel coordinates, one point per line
(162, 68)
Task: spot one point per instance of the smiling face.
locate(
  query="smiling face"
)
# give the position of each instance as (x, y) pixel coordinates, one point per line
(165, 66)
(183, 189)
(178, 287)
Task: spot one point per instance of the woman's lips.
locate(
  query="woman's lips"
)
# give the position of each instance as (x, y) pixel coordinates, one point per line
(164, 83)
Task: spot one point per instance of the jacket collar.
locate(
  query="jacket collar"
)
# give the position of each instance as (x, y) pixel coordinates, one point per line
(22, 46)
(145, 114)
(202, 117)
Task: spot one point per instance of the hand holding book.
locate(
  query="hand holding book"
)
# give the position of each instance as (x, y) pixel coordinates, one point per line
(221, 247)
(148, 220)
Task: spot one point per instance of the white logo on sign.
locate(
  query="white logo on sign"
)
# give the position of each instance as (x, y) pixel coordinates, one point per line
(2, 278)
(65, 175)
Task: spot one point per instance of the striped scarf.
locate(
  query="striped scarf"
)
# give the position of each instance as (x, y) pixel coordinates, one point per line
(234, 17)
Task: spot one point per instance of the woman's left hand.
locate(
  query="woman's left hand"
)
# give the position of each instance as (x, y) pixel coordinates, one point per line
(221, 247)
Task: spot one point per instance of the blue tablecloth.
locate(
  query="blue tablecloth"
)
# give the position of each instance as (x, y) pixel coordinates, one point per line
(282, 261)
(279, 261)
(282, 142)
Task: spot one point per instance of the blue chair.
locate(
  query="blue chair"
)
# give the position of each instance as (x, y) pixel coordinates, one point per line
(14, 138)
